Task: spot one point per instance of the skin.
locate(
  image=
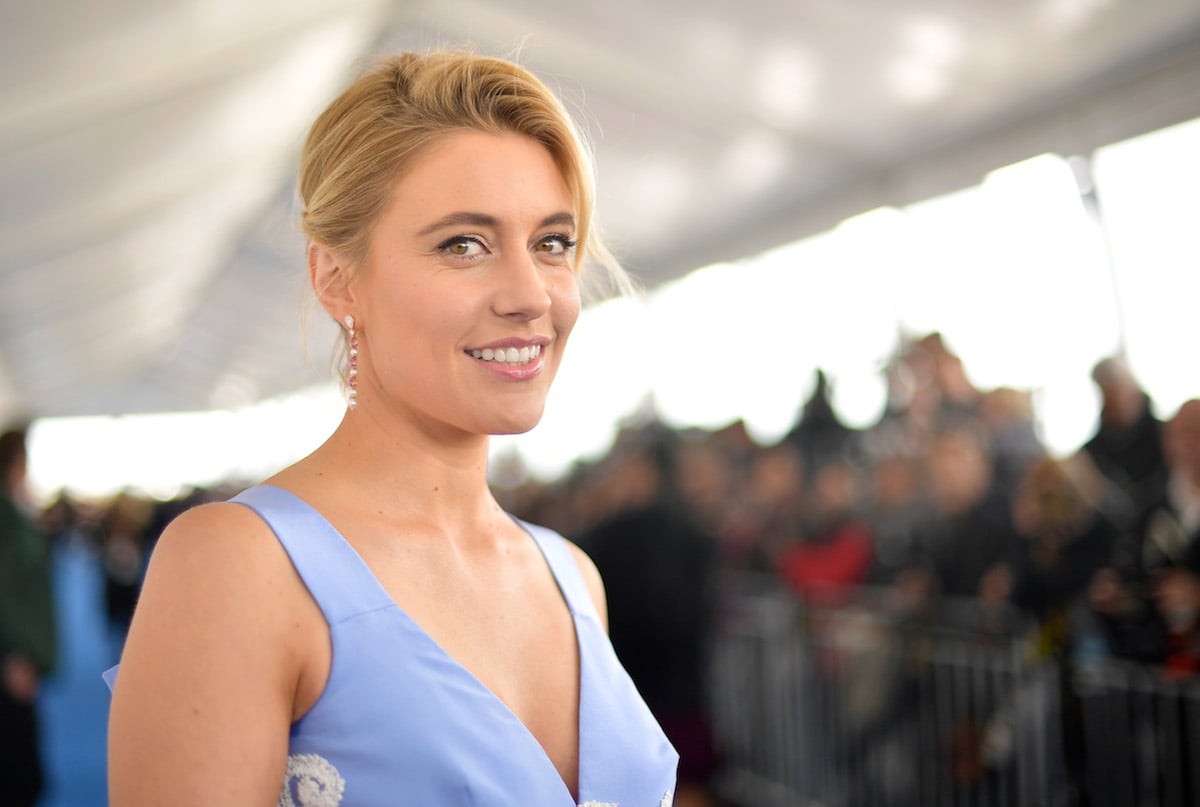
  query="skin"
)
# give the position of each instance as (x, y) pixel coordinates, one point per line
(222, 657)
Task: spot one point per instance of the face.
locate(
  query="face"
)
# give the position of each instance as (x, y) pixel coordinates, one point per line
(465, 302)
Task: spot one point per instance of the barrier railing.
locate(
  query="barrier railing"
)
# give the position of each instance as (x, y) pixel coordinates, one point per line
(1141, 736)
(865, 703)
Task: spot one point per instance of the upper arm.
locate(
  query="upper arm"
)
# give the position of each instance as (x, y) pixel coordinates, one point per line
(202, 704)
(593, 581)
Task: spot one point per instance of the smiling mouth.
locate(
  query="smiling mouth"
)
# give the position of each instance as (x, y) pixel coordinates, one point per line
(511, 356)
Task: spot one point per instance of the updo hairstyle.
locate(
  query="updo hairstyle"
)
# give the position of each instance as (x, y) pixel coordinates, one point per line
(366, 139)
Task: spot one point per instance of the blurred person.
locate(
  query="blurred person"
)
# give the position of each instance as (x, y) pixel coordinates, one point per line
(898, 514)
(706, 478)
(819, 434)
(771, 506)
(928, 392)
(1177, 598)
(955, 392)
(62, 521)
(624, 479)
(1149, 597)
(933, 385)
(1005, 416)
(734, 442)
(123, 549)
(970, 540)
(28, 629)
(368, 626)
(912, 401)
(1062, 513)
(834, 553)
(564, 505)
(658, 565)
(1127, 444)
(1148, 603)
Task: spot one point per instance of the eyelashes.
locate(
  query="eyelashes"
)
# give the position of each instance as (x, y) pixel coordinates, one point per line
(463, 246)
(562, 241)
(470, 246)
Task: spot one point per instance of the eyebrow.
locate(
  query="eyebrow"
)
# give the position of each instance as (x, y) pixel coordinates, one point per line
(468, 218)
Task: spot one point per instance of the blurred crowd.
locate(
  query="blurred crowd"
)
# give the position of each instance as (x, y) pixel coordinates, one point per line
(949, 495)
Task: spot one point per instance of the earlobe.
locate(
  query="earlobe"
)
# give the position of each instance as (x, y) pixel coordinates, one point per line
(330, 279)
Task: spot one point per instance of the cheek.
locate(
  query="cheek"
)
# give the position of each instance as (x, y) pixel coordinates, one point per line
(565, 305)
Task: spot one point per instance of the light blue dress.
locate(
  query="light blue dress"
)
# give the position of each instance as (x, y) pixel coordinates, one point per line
(402, 723)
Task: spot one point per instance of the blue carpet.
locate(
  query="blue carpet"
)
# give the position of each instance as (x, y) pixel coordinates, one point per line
(74, 701)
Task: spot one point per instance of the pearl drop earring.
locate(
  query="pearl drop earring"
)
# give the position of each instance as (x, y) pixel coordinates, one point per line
(351, 364)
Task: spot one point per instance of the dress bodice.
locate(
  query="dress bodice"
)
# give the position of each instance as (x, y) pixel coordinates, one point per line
(401, 722)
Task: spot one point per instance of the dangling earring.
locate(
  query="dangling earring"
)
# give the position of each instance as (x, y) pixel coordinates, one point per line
(351, 363)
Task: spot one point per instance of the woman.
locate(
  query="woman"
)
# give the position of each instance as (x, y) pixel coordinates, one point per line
(368, 627)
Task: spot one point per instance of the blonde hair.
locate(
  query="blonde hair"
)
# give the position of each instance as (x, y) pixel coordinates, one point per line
(363, 142)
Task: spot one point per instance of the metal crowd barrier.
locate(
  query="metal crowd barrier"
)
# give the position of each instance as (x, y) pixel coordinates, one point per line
(864, 703)
(1141, 736)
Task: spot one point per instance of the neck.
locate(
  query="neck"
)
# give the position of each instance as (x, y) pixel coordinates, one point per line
(406, 472)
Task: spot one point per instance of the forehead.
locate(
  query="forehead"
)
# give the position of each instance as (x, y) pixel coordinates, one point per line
(505, 175)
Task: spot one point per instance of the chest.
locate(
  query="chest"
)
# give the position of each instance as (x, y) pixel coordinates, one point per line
(504, 628)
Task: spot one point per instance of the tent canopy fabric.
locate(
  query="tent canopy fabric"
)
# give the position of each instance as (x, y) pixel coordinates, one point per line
(151, 256)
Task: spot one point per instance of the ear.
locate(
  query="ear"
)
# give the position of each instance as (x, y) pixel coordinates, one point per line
(329, 274)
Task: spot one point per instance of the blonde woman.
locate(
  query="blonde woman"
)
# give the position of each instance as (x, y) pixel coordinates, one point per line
(368, 627)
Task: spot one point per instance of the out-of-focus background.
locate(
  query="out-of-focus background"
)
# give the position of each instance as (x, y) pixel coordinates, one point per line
(860, 227)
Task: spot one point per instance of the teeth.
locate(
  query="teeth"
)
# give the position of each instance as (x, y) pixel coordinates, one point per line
(510, 356)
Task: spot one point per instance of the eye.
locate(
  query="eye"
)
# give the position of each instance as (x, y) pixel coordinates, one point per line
(554, 245)
(463, 246)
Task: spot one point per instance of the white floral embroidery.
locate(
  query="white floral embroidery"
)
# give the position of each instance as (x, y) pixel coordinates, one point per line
(317, 782)
(668, 799)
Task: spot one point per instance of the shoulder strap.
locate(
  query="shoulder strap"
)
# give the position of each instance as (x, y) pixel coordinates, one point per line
(564, 567)
(336, 576)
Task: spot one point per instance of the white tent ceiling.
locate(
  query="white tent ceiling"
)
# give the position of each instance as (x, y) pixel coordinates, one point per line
(150, 256)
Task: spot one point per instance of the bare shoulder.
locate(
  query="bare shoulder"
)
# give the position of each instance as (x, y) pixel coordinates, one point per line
(593, 581)
(213, 528)
(219, 571)
(216, 551)
(210, 668)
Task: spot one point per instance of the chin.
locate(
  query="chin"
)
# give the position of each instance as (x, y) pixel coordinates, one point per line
(516, 425)
(512, 429)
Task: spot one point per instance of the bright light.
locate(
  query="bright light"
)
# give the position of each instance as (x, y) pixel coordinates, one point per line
(932, 48)
(787, 81)
(1011, 272)
(1148, 191)
(160, 455)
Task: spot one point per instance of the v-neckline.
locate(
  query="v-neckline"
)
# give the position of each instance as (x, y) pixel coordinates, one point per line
(474, 679)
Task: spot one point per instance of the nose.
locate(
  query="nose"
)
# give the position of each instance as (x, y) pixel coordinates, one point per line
(521, 292)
